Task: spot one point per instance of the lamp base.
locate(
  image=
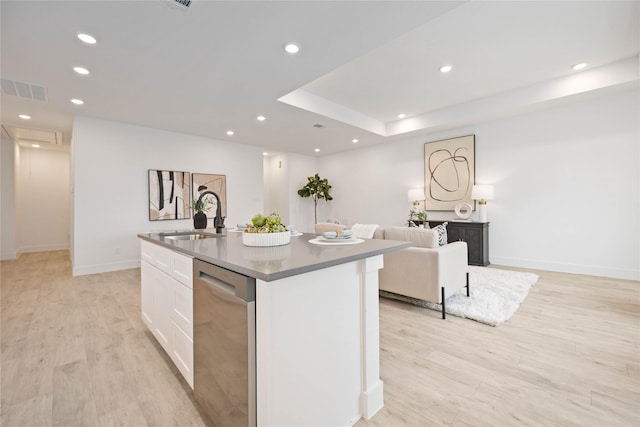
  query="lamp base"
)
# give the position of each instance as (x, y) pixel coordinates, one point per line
(482, 213)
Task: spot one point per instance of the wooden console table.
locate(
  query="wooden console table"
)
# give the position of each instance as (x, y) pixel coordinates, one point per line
(476, 234)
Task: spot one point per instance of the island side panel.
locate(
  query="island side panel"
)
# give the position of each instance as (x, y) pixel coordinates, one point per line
(311, 342)
(371, 399)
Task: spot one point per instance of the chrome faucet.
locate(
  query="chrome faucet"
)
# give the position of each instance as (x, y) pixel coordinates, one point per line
(218, 220)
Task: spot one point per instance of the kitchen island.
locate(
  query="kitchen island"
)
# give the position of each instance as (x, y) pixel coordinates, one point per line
(316, 324)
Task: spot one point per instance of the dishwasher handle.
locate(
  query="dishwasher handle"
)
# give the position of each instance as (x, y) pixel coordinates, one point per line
(230, 282)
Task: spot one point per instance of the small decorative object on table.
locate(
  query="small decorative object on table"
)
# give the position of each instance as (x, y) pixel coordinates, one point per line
(200, 217)
(463, 212)
(416, 218)
(266, 231)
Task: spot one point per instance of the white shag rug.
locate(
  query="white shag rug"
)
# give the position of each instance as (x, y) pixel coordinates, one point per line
(494, 295)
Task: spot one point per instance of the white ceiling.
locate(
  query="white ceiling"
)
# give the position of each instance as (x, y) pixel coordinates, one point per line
(218, 64)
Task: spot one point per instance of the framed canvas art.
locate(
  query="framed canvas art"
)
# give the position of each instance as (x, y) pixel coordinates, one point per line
(168, 195)
(449, 172)
(211, 182)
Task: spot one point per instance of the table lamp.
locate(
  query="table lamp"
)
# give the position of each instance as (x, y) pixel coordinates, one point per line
(482, 193)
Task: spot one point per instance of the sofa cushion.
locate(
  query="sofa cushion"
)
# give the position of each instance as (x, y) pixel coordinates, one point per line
(441, 231)
(364, 231)
(420, 237)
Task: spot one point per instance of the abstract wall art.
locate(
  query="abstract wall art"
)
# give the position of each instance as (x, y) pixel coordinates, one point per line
(449, 172)
(168, 195)
(211, 182)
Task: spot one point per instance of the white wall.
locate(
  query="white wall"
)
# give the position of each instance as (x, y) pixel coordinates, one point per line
(276, 184)
(43, 205)
(285, 174)
(35, 199)
(7, 199)
(110, 184)
(566, 178)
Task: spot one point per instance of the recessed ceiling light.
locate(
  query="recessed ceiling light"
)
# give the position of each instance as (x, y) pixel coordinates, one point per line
(77, 101)
(264, 153)
(401, 116)
(261, 118)
(317, 150)
(355, 141)
(81, 70)
(579, 66)
(35, 145)
(230, 132)
(446, 68)
(291, 48)
(24, 116)
(87, 38)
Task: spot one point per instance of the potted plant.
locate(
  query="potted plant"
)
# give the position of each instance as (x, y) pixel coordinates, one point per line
(199, 216)
(416, 217)
(318, 189)
(266, 231)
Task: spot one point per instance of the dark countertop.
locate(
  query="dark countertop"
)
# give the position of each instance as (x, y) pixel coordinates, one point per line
(275, 262)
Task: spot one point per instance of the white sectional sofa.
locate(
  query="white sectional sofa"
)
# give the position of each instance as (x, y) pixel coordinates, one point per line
(427, 270)
(430, 270)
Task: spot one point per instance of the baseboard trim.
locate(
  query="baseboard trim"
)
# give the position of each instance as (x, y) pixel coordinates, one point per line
(105, 268)
(590, 270)
(8, 256)
(43, 248)
(372, 400)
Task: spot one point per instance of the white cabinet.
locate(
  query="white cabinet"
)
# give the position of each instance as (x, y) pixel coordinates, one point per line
(147, 273)
(167, 302)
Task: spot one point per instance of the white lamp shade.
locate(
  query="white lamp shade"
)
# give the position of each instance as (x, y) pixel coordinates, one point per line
(415, 194)
(482, 192)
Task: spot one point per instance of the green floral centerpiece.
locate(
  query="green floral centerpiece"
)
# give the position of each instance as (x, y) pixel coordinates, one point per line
(266, 231)
(269, 224)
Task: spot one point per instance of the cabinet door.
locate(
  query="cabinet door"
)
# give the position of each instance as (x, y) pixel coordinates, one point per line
(182, 308)
(182, 269)
(454, 233)
(147, 251)
(182, 354)
(147, 279)
(163, 259)
(473, 237)
(162, 296)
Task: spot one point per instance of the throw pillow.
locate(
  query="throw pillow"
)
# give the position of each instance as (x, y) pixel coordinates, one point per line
(442, 233)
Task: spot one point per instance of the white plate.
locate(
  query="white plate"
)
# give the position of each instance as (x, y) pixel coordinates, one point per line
(337, 238)
(296, 234)
(323, 241)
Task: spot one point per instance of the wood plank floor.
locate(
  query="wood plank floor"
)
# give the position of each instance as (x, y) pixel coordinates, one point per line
(74, 352)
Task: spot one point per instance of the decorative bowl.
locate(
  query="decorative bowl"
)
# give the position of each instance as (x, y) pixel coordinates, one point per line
(266, 239)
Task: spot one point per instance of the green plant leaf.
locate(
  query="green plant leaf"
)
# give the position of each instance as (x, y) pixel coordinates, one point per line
(318, 189)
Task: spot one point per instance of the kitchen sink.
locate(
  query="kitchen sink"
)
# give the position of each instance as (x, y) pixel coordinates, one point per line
(190, 235)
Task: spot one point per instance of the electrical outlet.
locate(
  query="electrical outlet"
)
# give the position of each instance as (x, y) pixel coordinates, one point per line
(117, 251)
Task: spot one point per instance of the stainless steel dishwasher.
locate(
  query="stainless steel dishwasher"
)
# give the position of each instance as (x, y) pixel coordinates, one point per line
(224, 346)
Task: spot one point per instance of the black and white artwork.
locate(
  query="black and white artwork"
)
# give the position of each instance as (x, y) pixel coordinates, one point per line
(169, 195)
(449, 172)
(211, 182)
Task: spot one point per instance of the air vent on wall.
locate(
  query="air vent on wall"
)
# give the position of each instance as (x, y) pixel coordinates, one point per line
(24, 90)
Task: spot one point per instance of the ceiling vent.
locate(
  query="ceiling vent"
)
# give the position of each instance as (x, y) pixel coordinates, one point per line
(24, 90)
(33, 136)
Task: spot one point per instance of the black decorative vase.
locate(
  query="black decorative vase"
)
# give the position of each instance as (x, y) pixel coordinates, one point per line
(199, 220)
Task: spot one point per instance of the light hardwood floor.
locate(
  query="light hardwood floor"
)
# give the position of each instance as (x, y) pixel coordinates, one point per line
(74, 352)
